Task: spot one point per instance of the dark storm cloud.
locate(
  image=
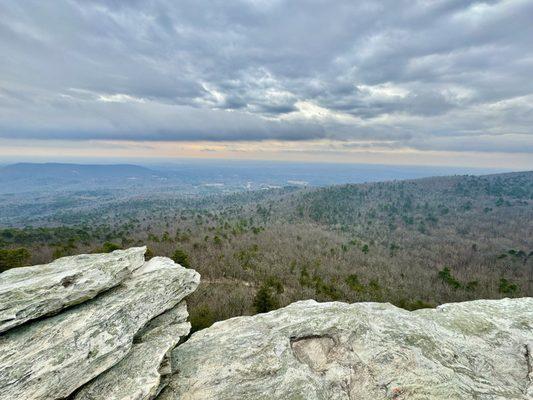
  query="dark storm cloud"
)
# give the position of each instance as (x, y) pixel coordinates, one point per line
(406, 72)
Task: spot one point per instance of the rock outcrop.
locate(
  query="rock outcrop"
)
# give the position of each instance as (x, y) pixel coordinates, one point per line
(32, 292)
(473, 350)
(109, 326)
(125, 331)
(146, 368)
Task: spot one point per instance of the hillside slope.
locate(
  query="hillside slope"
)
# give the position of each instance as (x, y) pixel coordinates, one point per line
(415, 243)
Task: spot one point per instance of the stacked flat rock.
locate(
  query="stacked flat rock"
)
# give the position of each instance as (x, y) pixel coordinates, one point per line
(32, 292)
(97, 326)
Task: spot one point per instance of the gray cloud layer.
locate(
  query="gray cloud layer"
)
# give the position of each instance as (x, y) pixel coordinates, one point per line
(443, 74)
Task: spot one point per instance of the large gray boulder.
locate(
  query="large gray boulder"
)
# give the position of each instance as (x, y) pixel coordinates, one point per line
(32, 292)
(472, 350)
(52, 357)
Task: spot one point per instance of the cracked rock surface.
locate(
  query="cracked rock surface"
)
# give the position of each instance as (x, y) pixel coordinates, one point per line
(32, 292)
(136, 322)
(144, 371)
(328, 351)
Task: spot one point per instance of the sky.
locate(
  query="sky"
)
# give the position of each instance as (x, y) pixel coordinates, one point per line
(419, 82)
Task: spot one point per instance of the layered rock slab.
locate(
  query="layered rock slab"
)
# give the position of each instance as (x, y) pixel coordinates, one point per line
(31, 292)
(327, 351)
(144, 371)
(52, 357)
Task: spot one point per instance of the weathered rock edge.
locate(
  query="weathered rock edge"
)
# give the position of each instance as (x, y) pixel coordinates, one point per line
(31, 292)
(52, 357)
(145, 370)
(327, 351)
(119, 344)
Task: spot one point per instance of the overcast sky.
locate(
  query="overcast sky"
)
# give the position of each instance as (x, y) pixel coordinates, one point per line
(418, 82)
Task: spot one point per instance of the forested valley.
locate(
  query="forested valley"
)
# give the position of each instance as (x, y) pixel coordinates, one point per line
(414, 243)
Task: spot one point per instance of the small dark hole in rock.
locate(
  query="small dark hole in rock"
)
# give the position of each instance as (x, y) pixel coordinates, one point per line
(67, 281)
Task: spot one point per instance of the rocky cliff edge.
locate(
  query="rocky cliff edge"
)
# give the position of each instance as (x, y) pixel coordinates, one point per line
(109, 326)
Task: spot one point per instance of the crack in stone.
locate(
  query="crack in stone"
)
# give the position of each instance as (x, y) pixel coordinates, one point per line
(529, 363)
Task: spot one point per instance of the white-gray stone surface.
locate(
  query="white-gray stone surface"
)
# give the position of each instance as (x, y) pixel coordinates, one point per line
(144, 371)
(31, 292)
(333, 351)
(52, 357)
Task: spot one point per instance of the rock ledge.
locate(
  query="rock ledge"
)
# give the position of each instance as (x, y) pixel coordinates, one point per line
(308, 350)
(116, 340)
(108, 327)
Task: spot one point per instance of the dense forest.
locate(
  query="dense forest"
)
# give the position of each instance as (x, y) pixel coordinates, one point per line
(414, 243)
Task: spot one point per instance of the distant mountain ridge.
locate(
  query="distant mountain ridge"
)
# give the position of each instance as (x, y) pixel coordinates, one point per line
(75, 170)
(200, 177)
(34, 177)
